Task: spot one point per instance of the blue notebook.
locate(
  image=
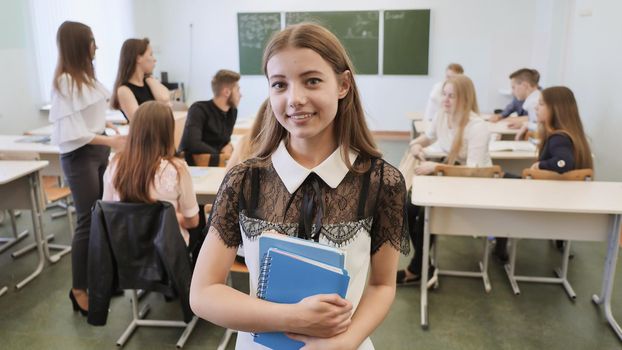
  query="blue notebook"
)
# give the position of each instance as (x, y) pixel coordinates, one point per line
(288, 278)
(309, 249)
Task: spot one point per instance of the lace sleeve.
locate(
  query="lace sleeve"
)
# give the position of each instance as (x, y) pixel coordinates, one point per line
(225, 211)
(390, 221)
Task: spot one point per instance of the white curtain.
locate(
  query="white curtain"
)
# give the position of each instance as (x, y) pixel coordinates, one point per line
(112, 21)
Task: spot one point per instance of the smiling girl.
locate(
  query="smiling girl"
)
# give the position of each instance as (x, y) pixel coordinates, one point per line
(318, 176)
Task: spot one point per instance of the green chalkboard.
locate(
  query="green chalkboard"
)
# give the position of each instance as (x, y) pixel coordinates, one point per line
(358, 31)
(406, 42)
(254, 31)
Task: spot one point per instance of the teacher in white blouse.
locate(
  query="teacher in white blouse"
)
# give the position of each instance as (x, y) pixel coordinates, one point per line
(78, 115)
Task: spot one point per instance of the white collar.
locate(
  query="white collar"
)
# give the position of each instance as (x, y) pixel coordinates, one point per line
(533, 96)
(332, 170)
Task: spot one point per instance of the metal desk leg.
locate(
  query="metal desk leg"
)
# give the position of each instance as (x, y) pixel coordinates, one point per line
(3, 290)
(17, 237)
(63, 249)
(36, 224)
(424, 270)
(609, 274)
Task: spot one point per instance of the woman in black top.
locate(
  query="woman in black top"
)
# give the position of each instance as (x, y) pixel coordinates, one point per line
(134, 84)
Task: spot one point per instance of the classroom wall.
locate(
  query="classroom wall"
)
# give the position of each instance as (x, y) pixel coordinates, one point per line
(193, 39)
(594, 73)
(19, 90)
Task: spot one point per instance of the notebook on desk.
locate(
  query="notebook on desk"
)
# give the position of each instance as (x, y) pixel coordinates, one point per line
(514, 146)
(288, 277)
(43, 139)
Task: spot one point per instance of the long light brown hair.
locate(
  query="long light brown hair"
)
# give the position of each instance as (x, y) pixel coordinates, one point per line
(73, 40)
(249, 145)
(131, 49)
(149, 141)
(351, 130)
(565, 119)
(466, 102)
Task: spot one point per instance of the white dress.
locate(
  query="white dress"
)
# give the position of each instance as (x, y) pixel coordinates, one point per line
(350, 220)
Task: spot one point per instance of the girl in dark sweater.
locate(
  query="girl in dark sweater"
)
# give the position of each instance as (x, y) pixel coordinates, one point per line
(563, 145)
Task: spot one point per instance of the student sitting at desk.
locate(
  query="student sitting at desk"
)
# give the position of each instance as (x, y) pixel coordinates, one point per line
(515, 106)
(436, 95)
(134, 84)
(563, 145)
(147, 170)
(525, 87)
(464, 136)
(210, 123)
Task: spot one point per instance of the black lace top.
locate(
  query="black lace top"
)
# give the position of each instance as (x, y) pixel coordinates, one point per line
(253, 197)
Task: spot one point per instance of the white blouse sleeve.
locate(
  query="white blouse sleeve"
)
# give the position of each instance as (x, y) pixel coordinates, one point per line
(66, 113)
(432, 131)
(478, 137)
(433, 102)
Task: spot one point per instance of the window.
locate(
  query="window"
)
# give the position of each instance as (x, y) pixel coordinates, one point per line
(111, 22)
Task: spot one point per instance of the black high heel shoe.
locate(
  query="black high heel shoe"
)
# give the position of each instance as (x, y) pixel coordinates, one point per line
(76, 306)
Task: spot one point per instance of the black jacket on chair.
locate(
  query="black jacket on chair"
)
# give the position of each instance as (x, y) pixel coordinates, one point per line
(136, 246)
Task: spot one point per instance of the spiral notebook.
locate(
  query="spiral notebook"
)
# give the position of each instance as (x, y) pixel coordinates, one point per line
(309, 249)
(287, 278)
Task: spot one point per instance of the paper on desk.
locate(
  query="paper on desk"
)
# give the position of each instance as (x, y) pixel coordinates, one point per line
(514, 146)
(44, 139)
(198, 171)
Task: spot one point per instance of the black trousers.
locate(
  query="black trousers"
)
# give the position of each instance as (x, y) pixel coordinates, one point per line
(84, 170)
(416, 221)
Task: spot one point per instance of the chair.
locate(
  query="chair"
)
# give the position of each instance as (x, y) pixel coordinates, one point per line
(138, 246)
(462, 171)
(8, 242)
(561, 273)
(237, 267)
(203, 159)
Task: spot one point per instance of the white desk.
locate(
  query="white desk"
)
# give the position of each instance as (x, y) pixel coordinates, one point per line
(513, 161)
(47, 130)
(243, 126)
(206, 182)
(115, 117)
(419, 116)
(536, 209)
(46, 152)
(20, 188)
(415, 116)
(500, 127)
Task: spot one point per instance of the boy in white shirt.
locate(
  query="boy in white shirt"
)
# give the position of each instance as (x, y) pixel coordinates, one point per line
(525, 87)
